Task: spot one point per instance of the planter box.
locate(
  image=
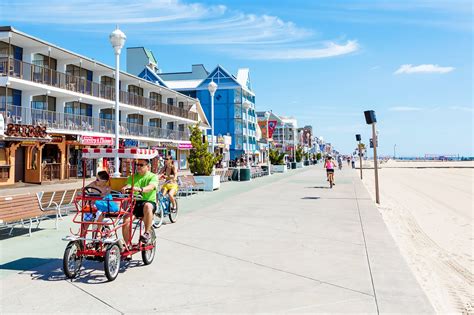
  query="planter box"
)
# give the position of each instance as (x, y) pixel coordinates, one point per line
(307, 163)
(299, 164)
(279, 168)
(210, 183)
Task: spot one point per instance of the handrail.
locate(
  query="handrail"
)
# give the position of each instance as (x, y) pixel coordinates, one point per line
(65, 121)
(35, 73)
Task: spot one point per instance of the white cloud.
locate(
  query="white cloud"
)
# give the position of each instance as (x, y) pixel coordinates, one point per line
(461, 108)
(426, 68)
(404, 109)
(174, 22)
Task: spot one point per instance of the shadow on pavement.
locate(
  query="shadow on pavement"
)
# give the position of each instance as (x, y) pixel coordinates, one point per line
(312, 198)
(51, 269)
(320, 187)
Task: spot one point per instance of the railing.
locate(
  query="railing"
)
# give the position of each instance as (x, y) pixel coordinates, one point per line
(34, 73)
(65, 121)
(51, 171)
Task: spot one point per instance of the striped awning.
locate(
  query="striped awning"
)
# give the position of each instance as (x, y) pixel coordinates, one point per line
(128, 153)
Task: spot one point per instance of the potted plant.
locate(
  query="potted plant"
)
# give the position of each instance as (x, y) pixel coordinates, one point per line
(202, 162)
(299, 157)
(306, 161)
(277, 160)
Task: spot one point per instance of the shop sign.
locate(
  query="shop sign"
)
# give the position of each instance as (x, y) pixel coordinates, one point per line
(184, 146)
(26, 131)
(56, 139)
(91, 140)
(129, 143)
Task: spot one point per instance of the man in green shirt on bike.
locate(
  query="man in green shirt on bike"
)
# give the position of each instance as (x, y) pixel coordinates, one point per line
(146, 184)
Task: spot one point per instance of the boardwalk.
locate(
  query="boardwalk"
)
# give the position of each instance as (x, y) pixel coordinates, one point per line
(284, 243)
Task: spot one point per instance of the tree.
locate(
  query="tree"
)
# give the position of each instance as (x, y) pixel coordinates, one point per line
(277, 158)
(201, 161)
(299, 154)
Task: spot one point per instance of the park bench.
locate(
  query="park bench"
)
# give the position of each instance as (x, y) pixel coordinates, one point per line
(192, 184)
(20, 209)
(228, 174)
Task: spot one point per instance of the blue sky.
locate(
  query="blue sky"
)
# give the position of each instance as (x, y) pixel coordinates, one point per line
(323, 62)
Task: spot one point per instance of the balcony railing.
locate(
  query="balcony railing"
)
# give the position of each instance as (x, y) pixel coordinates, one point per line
(34, 73)
(66, 121)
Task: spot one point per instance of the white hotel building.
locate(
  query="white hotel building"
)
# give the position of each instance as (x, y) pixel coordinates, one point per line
(74, 98)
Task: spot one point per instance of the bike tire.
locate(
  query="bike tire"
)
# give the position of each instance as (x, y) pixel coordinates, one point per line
(149, 255)
(158, 217)
(72, 270)
(112, 262)
(173, 214)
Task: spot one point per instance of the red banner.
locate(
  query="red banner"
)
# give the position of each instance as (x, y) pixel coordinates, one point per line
(263, 127)
(271, 127)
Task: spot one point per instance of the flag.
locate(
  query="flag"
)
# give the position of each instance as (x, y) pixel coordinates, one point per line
(271, 127)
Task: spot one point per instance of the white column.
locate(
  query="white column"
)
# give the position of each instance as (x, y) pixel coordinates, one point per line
(96, 118)
(26, 99)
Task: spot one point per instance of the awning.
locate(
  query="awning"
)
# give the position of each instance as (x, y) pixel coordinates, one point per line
(133, 153)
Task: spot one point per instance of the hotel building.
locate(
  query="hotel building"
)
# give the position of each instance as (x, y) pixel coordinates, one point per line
(44, 87)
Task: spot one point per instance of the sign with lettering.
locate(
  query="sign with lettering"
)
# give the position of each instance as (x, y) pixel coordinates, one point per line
(26, 131)
(92, 140)
(263, 127)
(128, 143)
(271, 127)
(184, 146)
(57, 139)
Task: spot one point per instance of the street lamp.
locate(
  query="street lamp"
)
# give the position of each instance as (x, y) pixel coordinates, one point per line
(267, 116)
(247, 106)
(117, 39)
(394, 152)
(212, 87)
(359, 138)
(371, 120)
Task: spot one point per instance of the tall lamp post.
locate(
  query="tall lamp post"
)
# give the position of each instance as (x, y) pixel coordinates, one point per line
(117, 39)
(370, 119)
(359, 138)
(212, 87)
(247, 106)
(267, 116)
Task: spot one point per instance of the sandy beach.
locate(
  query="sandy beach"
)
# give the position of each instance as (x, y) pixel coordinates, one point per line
(428, 208)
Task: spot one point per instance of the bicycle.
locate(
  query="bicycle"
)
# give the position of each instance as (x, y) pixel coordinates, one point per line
(164, 209)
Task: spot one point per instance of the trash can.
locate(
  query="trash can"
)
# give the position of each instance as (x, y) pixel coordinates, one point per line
(244, 174)
(293, 165)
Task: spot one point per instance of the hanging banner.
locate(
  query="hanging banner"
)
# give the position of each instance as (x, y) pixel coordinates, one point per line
(271, 127)
(263, 127)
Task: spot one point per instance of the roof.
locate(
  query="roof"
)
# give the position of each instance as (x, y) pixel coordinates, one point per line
(243, 77)
(183, 84)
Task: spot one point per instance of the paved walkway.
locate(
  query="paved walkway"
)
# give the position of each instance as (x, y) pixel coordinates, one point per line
(284, 243)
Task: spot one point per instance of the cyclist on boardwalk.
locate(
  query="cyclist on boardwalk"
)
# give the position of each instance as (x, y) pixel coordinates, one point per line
(329, 165)
(170, 186)
(145, 183)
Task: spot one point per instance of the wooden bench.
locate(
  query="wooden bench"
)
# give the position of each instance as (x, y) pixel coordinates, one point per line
(19, 209)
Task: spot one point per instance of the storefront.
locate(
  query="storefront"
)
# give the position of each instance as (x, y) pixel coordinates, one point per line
(183, 154)
(21, 149)
(75, 144)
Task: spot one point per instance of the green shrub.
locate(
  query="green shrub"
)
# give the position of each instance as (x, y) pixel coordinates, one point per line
(201, 161)
(299, 154)
(318, 156)
(277, 158)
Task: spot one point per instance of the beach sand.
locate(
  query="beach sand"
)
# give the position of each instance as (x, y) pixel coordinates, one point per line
(428, 208)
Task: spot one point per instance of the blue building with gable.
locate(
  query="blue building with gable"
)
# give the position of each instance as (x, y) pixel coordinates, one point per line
(234, 100)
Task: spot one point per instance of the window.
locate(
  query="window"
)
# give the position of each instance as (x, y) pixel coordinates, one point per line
(170, 125)
(133, 89)
(155, 122)
(181, 127)
(156, 96)
(77, 108)
(170, 101)
(107, 81)
(44, 102)
(181, 104)
(135, 119)
(44, 61)
(79, 72)
(15, 51)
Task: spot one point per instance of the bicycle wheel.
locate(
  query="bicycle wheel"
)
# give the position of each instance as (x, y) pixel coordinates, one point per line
(158, 218)
(71, 261)
(331, 179)
(173, 215)
(112, 262)
(149, 255)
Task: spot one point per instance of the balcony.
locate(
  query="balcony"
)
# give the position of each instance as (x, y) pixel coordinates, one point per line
(68, 122)
(30, 72)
